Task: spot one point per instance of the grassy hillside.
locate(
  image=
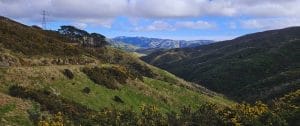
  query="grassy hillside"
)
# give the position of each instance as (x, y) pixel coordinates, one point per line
(259, 66)
(44, 76)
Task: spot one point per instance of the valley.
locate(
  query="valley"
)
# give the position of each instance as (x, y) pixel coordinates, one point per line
(72, 77)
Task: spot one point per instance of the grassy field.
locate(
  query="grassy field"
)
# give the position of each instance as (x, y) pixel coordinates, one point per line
(167, 96)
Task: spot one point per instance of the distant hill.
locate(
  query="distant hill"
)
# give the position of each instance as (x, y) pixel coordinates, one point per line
(156, 43)
(71, 75)
(122, 45)
(259, 66)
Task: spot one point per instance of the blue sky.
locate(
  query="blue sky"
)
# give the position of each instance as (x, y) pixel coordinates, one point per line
(174, 19)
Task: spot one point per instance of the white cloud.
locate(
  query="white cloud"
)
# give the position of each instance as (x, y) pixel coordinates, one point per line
(195, 25)
(160, 25)
(75, 9)
(88, 8)
(96, 12)
(103, 12)
(179, 8)
(80, 25)
(156, 26)
(268, 8)
(199, 37)
(269, 23)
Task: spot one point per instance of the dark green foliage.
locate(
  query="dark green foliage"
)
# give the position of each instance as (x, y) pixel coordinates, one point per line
(138, 70)
(259, 66)
(150, 116)
(110, 77)
(34, 113)
(72, 32)
(289, 107)
(68, 73)
(83, 37)
(240, 114)
(118, 99)
(205, 115)
(86, 90)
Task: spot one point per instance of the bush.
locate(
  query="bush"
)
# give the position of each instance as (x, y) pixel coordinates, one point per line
(56, 120)
(251, 115)
(118, 99)
(111, 77)
(139, 70)
(34, 113)
(86, 90)
(151, 116)
(206, 115)
(68, 73)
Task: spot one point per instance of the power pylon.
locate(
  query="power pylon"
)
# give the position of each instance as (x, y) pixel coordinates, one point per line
(44, 21)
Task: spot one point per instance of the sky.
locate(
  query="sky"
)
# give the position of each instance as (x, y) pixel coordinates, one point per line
(173, 19)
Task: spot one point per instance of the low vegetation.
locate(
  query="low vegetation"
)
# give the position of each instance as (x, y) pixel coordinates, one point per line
(110, 77)
(258, 114)
(68, 73)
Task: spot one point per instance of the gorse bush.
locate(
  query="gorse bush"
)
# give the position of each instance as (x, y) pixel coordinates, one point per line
(86, 90)
(288, 107)
(118, 99)
(258, 114)
(68, 73)
(110, 77)
(56, 120)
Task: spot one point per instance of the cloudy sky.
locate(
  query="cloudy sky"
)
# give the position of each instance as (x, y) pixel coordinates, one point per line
(175, 19)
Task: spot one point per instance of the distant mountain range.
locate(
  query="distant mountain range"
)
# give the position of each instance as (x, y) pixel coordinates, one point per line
(134, 43)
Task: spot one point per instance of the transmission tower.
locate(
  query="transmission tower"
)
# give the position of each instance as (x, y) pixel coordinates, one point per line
(44, 22)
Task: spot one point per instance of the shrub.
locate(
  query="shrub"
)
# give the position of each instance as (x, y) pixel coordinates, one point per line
(86, 90)
(251, 115)
(150, 116)
(206, 115)
(56, 120)
(55, 104)
(68, 73)
(34, 113)
(110, 77)
(139, 70)
(118, 99)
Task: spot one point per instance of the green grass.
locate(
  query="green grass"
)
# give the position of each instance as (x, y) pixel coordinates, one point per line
(100, 96)
(168, 96)
(166, 91)
(151, 92)
(6, 108)
(12, 112)
(181, 95)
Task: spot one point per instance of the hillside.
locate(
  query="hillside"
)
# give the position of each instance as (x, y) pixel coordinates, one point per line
(155, 43)
(45, 75)
(259, 66)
